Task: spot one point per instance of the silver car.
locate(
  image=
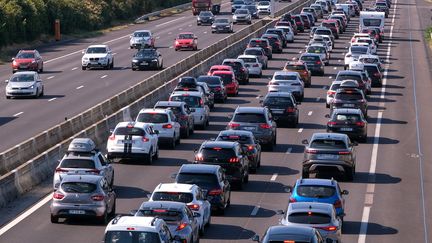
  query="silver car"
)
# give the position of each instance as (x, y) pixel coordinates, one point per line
(83, 196)
(283, 81)
(321, 216)
(141, 38)
(288, 33)
(24, 84)
(197, 103)
(242, 16)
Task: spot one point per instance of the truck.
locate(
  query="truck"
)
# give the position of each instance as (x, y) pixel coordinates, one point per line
(370, 19)
(206, 5)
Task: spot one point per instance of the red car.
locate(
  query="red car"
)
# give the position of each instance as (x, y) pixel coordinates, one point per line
(27, 60)
(229, 80)
(186, 40)
(219, 68)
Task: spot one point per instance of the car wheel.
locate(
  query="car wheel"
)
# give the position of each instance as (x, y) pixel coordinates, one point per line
(8, 97)
(305, 174)
(112, 64)
(104, 218)
(42, 93)
(112, 181)
(36, 94)
(178, 140)
(253, 170)
(185, 133)
(173, 143)
(148, 158)
(208, 221)
(54, 219)
(327, 105)
(83, 67)
(246, 179)
(364, 139)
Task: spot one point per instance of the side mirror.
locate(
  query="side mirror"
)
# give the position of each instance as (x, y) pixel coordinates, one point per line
(255, 238)
(156, 131)
(111, 130)
(196, 151)
(133, 212)
(13, 58)
(288, 189)
(327, 116)
(305, 141)
(6, 81)
(196, 214)
(345, 192)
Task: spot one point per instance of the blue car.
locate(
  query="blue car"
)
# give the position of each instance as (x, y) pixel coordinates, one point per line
(319, 190)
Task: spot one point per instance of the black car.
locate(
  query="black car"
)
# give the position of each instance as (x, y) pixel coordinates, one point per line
(348, 121)
(205, 17)
(213, 181)
(183, 114)
(313, 63)
(278, 32)
(275, 42)
(147, 59)
(216, 86)
(349, 98)
(240, 70)
(249, 144)
(187, 82)
(283, 108)
(229, 155)
(252, 10)
(352, 75)
(263, 43)
(222, 25)
(375, 74)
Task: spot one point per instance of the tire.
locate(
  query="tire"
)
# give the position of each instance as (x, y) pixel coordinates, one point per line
(83, 68)
(148, 158)
(246, 179)
(42, 93)
(156, 155)
(8, 97)
(349, 174)
(305, 174)
(173, 143)
(54, 219)
(37, 94)
(178, 141)
(253, 170)
(112, 64)
(112, 181)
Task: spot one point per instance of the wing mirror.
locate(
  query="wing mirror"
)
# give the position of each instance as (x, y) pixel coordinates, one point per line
(255, 238)
(6, 81)
(345, 192)
(173, 175)
(133, 212)
(305, 141)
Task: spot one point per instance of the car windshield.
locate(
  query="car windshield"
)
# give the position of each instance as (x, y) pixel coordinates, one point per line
(315, 191)
(142, 34)
(249, 60)
(223, 154)
(348, 96)
(241, 11)
(235, 138)
(152, 117)
(78, 187)
(282, 101)
(316, 49)
(226, 78)
(185, 36)
(25, 55)
(22, 78)
(165, 214)
(202, 180)
(347, 117)
(323, 32)
(264, 3)
(295, 67)
(253, 52)
(309, 58)
(96, 50)
(145, 53)
(309, 218)
(371, 22)
(284, 77)
(77, 163)
(131, 237)
(173, 197)
(192, 101)
(223, 21)
(205, 14)
(210, 80)
(134, 131)
(249, 118)
(327, 144)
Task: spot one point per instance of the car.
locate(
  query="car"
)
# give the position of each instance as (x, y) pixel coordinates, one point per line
(249, 144)
(186, 40)
(350, 122)
(219, 68)
(301, 68)
(283, 108)
(165, 122)
(310, 17)
(83, 196)
(322, 40)
(228, 155)
(190, 194)
(374, 72)
(237, 4)
(320, 49)
(240, 70)
(332, 25)
(222, 25)
(325, 31)
(216, 86)
(341, 20)
(319, 190)
(354, 53)
(288, 33)
(338, 21)
(24, 84)
(205, 17)
(349, 97)
(211, 179)
(182, 113)
(197, 103)
(354, 75)
(147, 59)
(97, 56)
(29, 60)
(264, 44)
(324, 5)
(142, 39)
(242, 15)
(257, 120)
(313, 62)
(331, 92)
(319, 10)
(182, 222)
(328, 152)
(288, 23)
(291, 233)
(208, 93)
(373, 33)
(275, 42)
(259, 53)
(321, 216)
(252, 64)
(252, 10)
(369, 41)
(230, 82)
(359, 35)
(137, 229)
(131, 140)
(263, 7)
(371, 59)
(83, 158)
(310, 10)
(278, 32)
(287, 82)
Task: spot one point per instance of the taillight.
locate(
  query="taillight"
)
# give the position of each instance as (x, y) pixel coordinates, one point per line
(318, 62)
(360, 124)
(93, 171)
(233, 125)
(331, 92)
(265, 126)
(251, 147)
(58, 196)
(243, 69)
(291, 200)
(344, 152)
(201, 102)
(181, 226)
(112, 137)
(97, 197)
(331, 123)
(144, 139)
(328, 228)
(194, 207)
(167, 126)
(218, 89)
(311, 151)
(234, 160)
(215, 192)
(60, 170)
(337, 204)
(290, 109)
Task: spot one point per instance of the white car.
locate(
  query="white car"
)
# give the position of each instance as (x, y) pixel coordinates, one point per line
(263, 7)
(289, 33)
(354, 53)
(284, 81)
(192, 195)
(133, 140)
(97, 56)
(142, 39)
(369, 41)
(371, 59)
(28, 83)
(358, 35)
(242, 16)
(320, 49)
(197, 104)
(165, 122)
(331, 92)
(252, 64)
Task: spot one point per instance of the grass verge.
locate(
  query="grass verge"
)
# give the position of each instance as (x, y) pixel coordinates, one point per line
(428, 36)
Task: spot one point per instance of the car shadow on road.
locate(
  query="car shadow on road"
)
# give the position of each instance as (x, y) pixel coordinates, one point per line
(272, 169)
(294, 148)
(227, 232)
(353, 228)
(264, 187)
(379, 99)
(375, 178)
(374, 120)
(241, 210)
(51, 71)
(4, 120)
(306, 125)
(129, 192)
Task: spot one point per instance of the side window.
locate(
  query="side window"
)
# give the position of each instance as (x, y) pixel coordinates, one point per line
(164, 235)
(269, 115)
(102, 160)
(104, 185)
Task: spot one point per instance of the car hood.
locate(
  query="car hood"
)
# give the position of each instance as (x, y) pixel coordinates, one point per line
(20, 84)
(263, 7)
(95, 55)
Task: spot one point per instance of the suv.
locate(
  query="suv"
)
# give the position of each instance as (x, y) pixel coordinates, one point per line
(147, 59)
(290, 233)
(142, 39)
(208, 93)
(165, 122)
(135, 229)
(97, 56)
(348, 121)
(27, 60)
(182, 113)
(327, 151)
(257, 120)
(216, 86)
(283, 108)
(301, 68)
(133, 140)
(82, 196)
(242, 15)
(230, 82)
(197, 103)
(280, 33)
(287, 82)
(240, 70)
(253, 65)
(82, 158)
(211, 179)
(264, 44)
(229, 155)
(349, 98)
(275, 42)
(222, 25)
(354, 75)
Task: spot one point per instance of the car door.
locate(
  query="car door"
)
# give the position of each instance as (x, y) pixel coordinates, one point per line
(109, 199)
(223, 183)
(106, 167)
(176, 125)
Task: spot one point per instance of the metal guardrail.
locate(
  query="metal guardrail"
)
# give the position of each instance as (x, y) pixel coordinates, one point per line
(162, 13)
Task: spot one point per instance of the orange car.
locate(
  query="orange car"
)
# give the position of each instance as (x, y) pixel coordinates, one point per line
(186, 40)
(301, 68)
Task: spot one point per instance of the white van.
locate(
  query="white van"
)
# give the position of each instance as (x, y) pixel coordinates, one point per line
(371, 19)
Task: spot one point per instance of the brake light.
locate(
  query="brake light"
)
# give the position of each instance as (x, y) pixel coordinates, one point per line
(215, 192)
(144, 139)
(181, 226)
(327, 228)
(234, 160)
(318, 62)
(337, 204)
(331, 123)
(360, 124)
(201, 102)
(233, 125)
(194, 207)
(112, 137)
(251, 147)
(60, 170)
(311, 151)
(98, 197)
(160, 210)
(344, 152)
(58, 195)
(167, 126)
(290, 109)
(362, 101)
(292, 200)
(93, 171)
(130, 228)
(331, 92)
(265, 126)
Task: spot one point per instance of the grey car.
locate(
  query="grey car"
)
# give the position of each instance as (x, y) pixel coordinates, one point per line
(257, 120)
(314, 63)
(321, 216)
(329, 152)
(180, 219)
(82, 196)
(205, 17)
(24, 84)
(237, 4)
(259, 53)
(242, 15)
(222, 25)
(291, 233)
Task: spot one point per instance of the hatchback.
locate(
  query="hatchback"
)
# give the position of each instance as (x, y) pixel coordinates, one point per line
(350, 122)
(259, 53)
(282, 233)
(216, 85)
(182, 113)
(275, 42)
(313, 62)
(24, 84)
(283, 108)
(263, 43)
(350, 98)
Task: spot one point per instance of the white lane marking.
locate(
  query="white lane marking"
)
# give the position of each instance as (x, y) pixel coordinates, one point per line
(318, 99)
(104, 76)
(75, 68)
(52, 99)
(25, 214)
(310, 113)
(169, 33)
(370, 188)
(339, 60)
(374, 156)
(255, 210)
(170, 47)
(190, 25)
(300, 52)
(174, 20)
(50, 77)
(300, 130)
(19, 113)
(80, 87)
(369, 199)
(60, 57)
(273, 178)
(363, 226)
(205, 32)
(288, 150)
(330, 77)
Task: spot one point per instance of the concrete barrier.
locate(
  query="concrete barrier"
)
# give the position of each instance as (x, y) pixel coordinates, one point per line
(164, 12)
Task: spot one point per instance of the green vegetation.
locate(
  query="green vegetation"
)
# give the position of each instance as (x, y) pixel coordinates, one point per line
(428, 37)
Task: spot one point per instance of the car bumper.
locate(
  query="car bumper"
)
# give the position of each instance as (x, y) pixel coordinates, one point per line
(76, 211)
(245, 21)
(30, 67)
(21, 93)
(184, 47)
(356, 133)
(263, 11)
(96, 64)
(140, 45)
(254, 70)
(221, 29)
(313, 166)
(231, 91)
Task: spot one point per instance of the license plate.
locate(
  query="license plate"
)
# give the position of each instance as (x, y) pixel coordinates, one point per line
(277, 112)
(327, 156)
(76, 212)
(144, 64)
(346, 129)
(127, 141)
(249, 128)
(348, 105)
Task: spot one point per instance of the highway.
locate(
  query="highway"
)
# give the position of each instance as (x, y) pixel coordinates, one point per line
(390, 198)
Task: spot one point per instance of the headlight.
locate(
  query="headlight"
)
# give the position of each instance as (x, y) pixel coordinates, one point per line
(155, 60)
(198, 18)
(213, 26)
(134, 60)
(234, 17)
(85, 58)
(32, 87)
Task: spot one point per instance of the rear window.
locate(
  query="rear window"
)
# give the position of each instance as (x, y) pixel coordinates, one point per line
(249, 118)
(218, 153)
(166, 215)
(323, 32)
(359, 49)
(131, 237)
(234, 65)
(348, 96)
(226, 78)
(309, 58)
(309, 218)
(173, 196)
(249, 60)
(291, 241)
(235, 138)
(371, 69)
(284, 77)
(175, 109)
(342, 77)
(253, 52)
(152, 118)
(260, 43)
(295, 67)
(347, 117)
(327, 144)
(192, 101)
(209, 80)
(316, 191)
(78, 163)
(78, 187)
(202, 180)
(282, 101)
(134, 131)
(316, 49)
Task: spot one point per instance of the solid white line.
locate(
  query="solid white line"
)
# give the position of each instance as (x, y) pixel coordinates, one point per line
(374, 156)
(80, 87)
(364, 223)
(310, 113)
(50, 77)
(288, 150)
(75, 68)
(52, 99)
(19, 113)
(300, 130)
(174, 20)
(273, 178)
(255, 210)
(25, 214)
(104, 76)
(339, 60)
(330, 77)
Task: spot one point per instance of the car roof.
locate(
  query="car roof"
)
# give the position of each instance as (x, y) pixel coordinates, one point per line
(139, 223)
(310, 54)
(246, 56)
(174, 187)
(297, 207)
(154, 110)
(199, 168)
(81, 145)
(81, 178)
(326, 135)
(163, 204)
(170, 103)
(296, 230)
(235, 132)
(317, 182)
(24, 73)
(220, 66)
(221, 144)
(232, 60)
(249, 109)
(98, 46)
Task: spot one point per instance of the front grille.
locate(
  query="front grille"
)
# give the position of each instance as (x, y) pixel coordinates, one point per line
(94, 58)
